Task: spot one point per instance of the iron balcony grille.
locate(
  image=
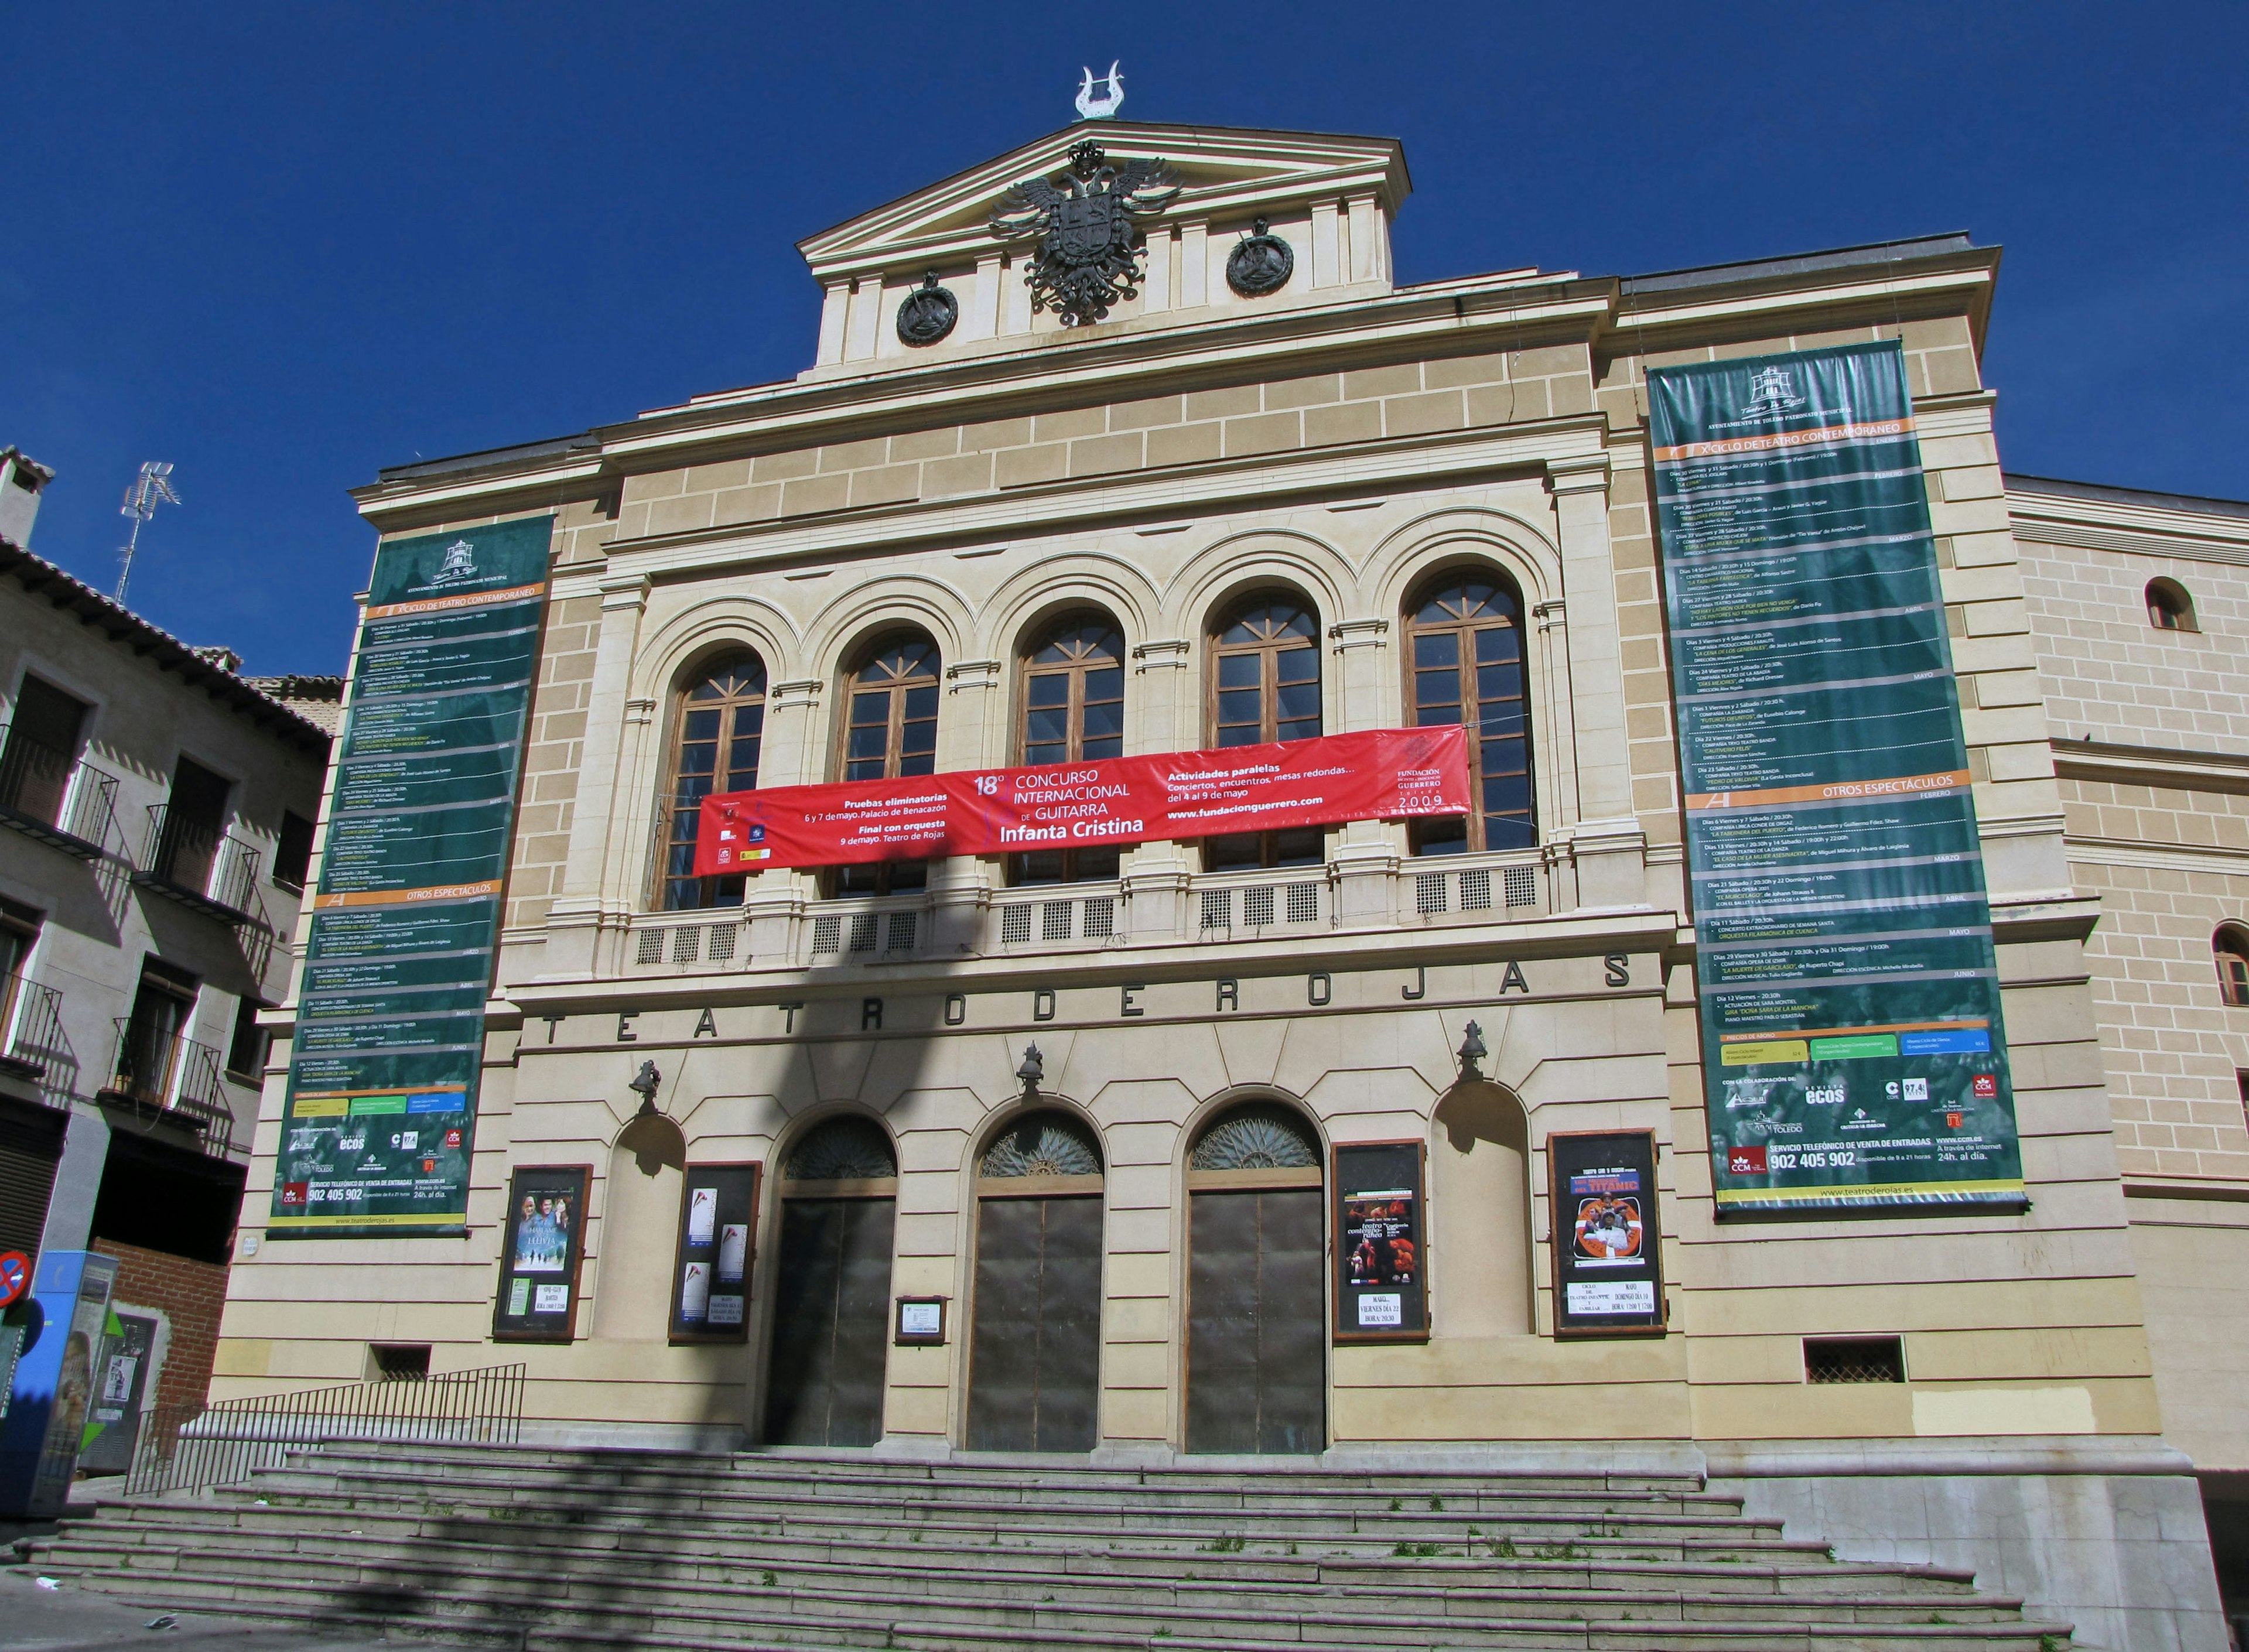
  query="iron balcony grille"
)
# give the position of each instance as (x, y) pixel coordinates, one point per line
(186, 1448)
(47, 793)
(30, 1026)
(200, 865)
(171, 1079)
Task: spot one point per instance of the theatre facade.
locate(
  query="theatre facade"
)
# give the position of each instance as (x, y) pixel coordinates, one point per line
(1464, 1136)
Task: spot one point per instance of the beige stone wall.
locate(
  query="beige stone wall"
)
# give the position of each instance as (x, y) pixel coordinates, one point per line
(2193, 1258)
(2110, 676)
(1233, 422)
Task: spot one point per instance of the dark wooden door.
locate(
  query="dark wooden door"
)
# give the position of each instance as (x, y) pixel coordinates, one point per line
(42, 748)
(1256, 1321)
(1035, 1362)
(194, 817)
(831, 1321)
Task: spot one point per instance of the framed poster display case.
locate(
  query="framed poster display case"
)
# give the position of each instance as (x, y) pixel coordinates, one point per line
(542, 1242)
(718, 1243)
(1381, 1282)
(1608, 1234)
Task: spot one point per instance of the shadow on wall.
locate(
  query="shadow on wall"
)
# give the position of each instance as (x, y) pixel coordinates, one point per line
(1479, 1169)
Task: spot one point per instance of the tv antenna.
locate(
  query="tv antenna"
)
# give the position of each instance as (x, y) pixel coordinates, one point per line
(152, 488)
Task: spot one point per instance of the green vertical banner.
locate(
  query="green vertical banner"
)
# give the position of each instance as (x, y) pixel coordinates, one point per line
(1853, 1051)
(391, 1013)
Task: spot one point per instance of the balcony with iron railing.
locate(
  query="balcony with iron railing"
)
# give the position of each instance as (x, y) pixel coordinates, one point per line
(199, 865)
(32, 1041)
(54, 796)
(169, 1078)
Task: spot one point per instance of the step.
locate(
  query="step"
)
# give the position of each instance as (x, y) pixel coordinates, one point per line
(1488, 1592)
(1471, 1494)
(226, 1524)
(356, 1488)
(733, 1627)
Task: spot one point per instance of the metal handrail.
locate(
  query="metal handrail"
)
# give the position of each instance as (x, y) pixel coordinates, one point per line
(202, 860)
(185, 1447)
(56, 788)
(178, 1078)
(31, 1020)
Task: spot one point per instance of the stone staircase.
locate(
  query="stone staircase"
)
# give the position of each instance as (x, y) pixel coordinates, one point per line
(567, 1551)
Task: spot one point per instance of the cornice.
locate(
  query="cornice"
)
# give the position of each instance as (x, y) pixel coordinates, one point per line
(1633, 322)
(1133, 360)
(2169, 769)
(2133, 527)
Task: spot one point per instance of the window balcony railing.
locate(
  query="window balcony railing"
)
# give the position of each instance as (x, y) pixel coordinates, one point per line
(1235, 908)
(171, 1078)
(50, 794)
(1484, 888)
(199, 865)
(31, 1027)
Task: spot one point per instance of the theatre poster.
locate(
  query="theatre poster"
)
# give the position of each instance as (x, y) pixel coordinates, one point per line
(1853, 1048)
(390, 1011)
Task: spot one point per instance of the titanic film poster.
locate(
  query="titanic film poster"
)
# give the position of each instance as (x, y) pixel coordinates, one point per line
(1608, 1272)
(1381, 1238)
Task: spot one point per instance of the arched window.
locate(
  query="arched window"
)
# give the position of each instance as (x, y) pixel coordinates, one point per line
(2169, 608)
(720, 722)
(890, 731)
(2231, 947)
(1265, 685)
(1464, 631)
(1073, 711)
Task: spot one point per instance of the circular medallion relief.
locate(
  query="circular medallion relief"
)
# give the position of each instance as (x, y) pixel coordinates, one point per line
(926, 314)
(1260, 264)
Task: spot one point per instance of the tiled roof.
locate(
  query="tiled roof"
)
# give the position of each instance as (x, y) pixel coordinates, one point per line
(122, 626)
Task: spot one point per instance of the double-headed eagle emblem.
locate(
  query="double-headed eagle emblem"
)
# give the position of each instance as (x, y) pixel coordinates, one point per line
(1089, 256)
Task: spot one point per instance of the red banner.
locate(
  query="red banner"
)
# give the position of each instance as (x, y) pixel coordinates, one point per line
(1385, 774)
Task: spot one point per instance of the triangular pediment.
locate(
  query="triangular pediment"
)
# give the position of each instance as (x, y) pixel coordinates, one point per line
(1222, 171)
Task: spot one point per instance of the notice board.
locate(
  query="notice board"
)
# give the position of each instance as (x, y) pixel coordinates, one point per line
(1381, 1243)
(1607, 1233)
(711, 1269)
(383, 1068)
(1853, 1054)
(542, 1242)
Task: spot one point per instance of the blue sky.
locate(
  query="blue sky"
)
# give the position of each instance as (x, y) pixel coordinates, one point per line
(284, 245)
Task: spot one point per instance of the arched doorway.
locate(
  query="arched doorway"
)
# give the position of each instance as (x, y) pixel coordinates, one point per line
(1257, 1284)
(1034, 1356)
(839, 1201)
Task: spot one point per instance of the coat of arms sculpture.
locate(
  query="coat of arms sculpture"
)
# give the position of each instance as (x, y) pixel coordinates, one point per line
(1090, 254)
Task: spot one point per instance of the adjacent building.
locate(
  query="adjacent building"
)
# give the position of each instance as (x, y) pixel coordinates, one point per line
(1257, 490)
(156, 816)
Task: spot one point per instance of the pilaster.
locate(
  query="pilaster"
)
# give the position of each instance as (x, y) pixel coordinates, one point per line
(1327, 246)
(1361, 648)
(1580, 489)
(982, 318)
(588, 893)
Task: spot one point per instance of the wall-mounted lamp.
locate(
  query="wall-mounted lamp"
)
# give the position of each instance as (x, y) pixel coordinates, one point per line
(1031, 1071)
(1472, 1051)
(644, 1085)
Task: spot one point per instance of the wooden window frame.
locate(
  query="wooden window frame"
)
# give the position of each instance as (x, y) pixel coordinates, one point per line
(2230, 943)
(884, 873)
(1073, 859)
(722, 890)
(1269, 710)
(1471, 708)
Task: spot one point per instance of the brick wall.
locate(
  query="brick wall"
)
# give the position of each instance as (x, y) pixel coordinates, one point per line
(191, 1295)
